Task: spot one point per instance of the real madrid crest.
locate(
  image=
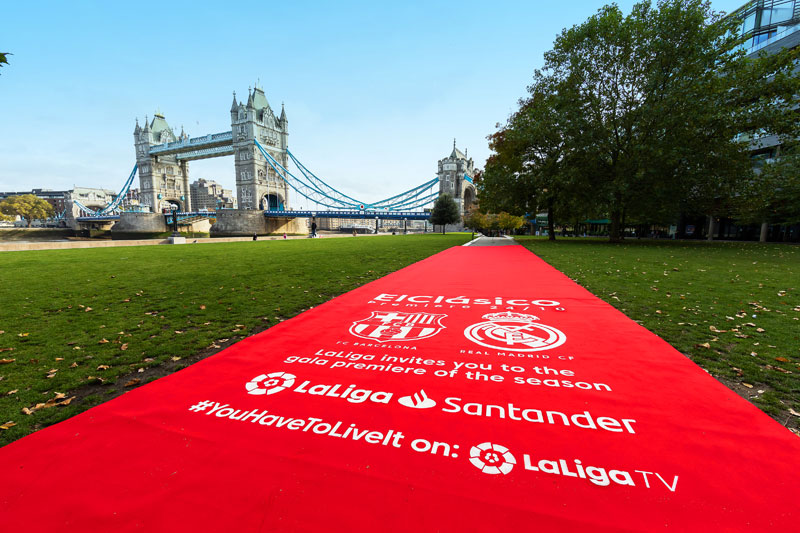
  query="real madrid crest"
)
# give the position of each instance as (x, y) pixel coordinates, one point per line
(514, 331)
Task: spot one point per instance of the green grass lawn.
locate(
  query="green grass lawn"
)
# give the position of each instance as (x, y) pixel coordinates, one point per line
(734, 308)
(76, 318)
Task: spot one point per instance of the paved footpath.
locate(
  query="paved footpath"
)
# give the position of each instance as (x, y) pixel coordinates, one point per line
(492, 241)
(477, 390)
(11, 246)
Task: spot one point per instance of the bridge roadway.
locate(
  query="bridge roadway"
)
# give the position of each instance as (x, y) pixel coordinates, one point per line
(367, 215)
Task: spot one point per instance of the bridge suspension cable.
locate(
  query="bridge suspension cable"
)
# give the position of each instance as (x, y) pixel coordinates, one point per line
(306, 189)
(111, 207)
(321, 184)
(316, 190)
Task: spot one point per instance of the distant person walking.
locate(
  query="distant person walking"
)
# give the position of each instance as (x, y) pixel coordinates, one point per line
(255, 236)
(313, 229)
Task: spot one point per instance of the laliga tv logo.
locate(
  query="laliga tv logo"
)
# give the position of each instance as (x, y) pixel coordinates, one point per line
(492, 458)
(514, 331)
(384, 326)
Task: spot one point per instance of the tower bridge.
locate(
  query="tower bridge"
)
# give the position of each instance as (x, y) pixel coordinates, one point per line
(258, 140)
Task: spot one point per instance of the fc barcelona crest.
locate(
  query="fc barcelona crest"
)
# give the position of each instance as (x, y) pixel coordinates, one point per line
(385, 326)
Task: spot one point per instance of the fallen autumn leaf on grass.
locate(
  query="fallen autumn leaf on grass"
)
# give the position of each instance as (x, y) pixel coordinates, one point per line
(49, 403)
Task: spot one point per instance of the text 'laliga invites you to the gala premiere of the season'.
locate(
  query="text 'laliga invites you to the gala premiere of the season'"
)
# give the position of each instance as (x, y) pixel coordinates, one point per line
(516, 342)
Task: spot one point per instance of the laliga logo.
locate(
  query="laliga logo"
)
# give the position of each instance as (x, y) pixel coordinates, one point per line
(269, 383)
(492, 458)
(514, 331)
(265, 384)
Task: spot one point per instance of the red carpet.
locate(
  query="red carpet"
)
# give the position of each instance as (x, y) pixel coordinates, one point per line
(479, 389)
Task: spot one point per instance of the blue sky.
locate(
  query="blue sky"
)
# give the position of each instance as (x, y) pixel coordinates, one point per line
(374, 92)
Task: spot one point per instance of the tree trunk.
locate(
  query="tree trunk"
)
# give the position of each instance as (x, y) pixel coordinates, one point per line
(680, 231)
(617, 219)
(444, 226)
(764, 229)
(614, 232)
(710, 227)
(551, 223)
(29, 221)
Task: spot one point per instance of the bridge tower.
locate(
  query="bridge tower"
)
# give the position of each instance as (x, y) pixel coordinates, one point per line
(257, 184)
(456, 173)
(163, 180)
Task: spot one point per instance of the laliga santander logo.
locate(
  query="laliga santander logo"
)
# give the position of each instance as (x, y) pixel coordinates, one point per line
(269, 383)
(492, 458)
(384, 326)
(514, 331)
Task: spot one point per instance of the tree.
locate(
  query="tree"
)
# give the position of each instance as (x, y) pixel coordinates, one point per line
(507, 222)
(445, 211)
(4, 58)
(533, 168)
(27, 206)
(476, 220)
(773, 194)
(636, 117)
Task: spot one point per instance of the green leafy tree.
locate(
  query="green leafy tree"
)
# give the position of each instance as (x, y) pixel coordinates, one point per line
(636, 117)
(508, 222)
(445, 211)
(27, 206)
(476, 220)
(532, 169)
(4, 58)
(773, 194)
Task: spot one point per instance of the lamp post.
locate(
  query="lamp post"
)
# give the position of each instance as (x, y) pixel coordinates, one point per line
(376, 225)
(174, 210)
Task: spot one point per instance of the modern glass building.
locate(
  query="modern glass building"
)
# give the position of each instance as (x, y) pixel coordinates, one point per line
(768, 23)
(768, 26)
